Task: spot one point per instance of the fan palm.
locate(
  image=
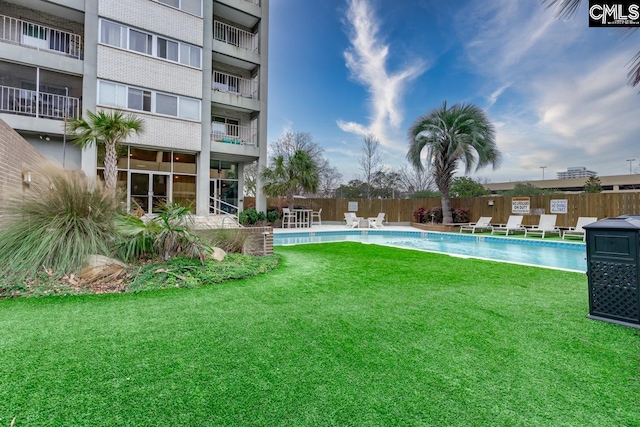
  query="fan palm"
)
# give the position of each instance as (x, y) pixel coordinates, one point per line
(462, 133)
(110, 129)
(567, 8)
(289, 175)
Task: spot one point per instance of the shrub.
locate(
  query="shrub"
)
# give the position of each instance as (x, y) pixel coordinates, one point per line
(251, 217)
(230, 240)
(434, 214)
(57, 223)
(168, 234)
(419, 214)
(273, 215)
(461, 215)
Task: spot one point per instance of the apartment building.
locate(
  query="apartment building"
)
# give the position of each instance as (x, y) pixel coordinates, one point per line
(195, 71)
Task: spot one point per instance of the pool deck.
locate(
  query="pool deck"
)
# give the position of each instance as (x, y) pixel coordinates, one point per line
(341, 227)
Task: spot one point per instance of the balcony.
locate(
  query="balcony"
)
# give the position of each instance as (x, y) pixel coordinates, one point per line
(254, 2)
(37, 36)
(233, 134)
(38, 104)
(235, 36)
(224, 82)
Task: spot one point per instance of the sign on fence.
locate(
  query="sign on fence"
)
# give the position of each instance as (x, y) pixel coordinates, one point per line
(559, 206)
(353, 207)
(520, 205)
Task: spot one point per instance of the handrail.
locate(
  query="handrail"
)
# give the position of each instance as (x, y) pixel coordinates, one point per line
(224, 82)
(215, 206)
(38, 104)
(233, 134)
(41, 37)
(235, 36)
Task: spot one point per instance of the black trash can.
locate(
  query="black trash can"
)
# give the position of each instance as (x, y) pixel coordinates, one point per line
(613, 258)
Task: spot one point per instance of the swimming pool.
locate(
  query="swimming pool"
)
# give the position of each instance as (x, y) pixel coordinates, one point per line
(541, 253)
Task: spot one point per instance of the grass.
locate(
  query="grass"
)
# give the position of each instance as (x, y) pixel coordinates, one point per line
(340, 334)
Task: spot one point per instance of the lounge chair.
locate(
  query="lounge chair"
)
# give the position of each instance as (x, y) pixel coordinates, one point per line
(352, 220)
(578, 231)
(547, 225)
(514, 223)
(376, 222)
(484, 223)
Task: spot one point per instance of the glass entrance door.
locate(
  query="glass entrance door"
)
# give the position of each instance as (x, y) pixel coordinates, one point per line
(225, 196)
(149, 191)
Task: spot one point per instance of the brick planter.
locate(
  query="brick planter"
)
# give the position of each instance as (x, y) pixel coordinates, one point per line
(433, 227)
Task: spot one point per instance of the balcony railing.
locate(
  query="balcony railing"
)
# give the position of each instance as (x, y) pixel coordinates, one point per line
(256, 2)
(224, 82)
(38, 104)
(233, 134)
(235, 36)
(25, 33)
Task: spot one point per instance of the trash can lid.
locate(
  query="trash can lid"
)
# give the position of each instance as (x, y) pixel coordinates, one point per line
(623, 222)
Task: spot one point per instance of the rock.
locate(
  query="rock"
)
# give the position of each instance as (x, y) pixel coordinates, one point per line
(218, 254)
(100, 266)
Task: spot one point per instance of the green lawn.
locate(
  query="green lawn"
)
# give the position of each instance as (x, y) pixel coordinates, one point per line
(340, 334)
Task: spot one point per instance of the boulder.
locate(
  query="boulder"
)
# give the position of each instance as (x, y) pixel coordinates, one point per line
(218, 254)
(100, 266)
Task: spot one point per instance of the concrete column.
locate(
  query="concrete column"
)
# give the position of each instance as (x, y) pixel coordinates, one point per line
(261, 199)
(204, 157)
(89, 161)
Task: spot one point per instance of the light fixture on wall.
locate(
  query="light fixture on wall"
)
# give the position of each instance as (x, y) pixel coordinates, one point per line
(45, 137)
(26, 176)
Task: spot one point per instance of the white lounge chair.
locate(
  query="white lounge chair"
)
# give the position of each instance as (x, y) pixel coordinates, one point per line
(514, 223)
(352, 220)
(484, 223)
(547, 225)
(376, 222)
(578, 231)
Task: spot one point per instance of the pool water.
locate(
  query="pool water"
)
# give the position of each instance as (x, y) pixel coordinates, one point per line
(558, 255)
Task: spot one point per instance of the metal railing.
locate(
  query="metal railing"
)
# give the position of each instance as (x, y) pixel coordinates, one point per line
(38, 104)
(235, 36)
(224, 82)
(233, 134)
(37, 36)
(220, 207)
(256, 2)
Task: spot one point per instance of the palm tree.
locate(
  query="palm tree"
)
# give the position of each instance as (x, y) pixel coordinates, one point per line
(109, 129)
(462, 133)
(289, 175)
(567, 8)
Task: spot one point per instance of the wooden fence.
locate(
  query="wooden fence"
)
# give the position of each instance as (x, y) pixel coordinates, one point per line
(600, 205)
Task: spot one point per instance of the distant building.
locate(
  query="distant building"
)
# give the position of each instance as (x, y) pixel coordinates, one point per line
(576, 172)
(612, 183)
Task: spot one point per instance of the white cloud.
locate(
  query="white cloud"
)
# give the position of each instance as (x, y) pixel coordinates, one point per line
(366, 60)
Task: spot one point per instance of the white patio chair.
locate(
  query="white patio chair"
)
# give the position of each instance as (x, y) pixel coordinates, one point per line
(514, 223)
(315, 215)
(547, 225)
(578, 231)
(352, 220)
(289, 218)
(376, 222)
(484, 223)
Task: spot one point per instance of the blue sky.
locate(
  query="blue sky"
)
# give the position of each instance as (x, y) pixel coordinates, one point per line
(555, 90)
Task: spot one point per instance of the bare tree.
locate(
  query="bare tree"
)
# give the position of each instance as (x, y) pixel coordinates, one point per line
(413, 180)
(330, 179)
(293, 141)
(250, 174)
(370, 161)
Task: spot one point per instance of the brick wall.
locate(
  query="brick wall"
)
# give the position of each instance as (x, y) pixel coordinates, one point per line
(16, 155)
(255, 244)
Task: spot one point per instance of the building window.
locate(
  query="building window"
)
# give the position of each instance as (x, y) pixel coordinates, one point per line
(167, 49)
(112, 95)
(140, 42)
(139, 99)
(189, 108)
(114, 34)
(193, 7)
(167, 104)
